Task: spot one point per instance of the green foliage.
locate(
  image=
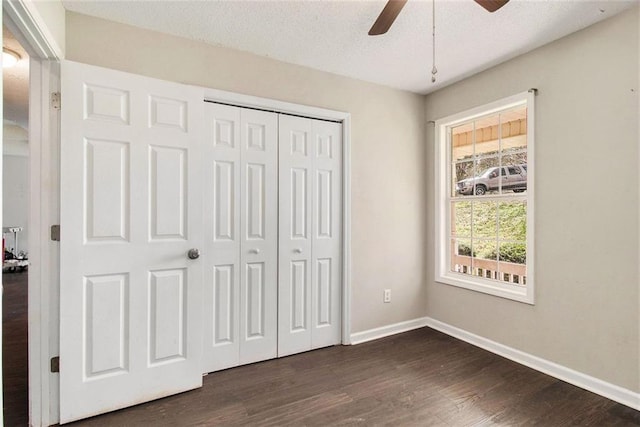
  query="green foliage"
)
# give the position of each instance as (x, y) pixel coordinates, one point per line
(507, 220)
(464, 249)
(512, 218)
(510, 252)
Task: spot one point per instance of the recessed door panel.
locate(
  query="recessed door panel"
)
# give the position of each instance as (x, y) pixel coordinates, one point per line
(324, 147)
(298, 302)
(256, 134)
(167, 113)
(106, 191)
(106, 325)
(224, 200)
(298, 142)
(324, 291)
(106, 104)
(255, 199)
(299, 203)
(323, 203)
(168, 190)
(223, 304)
(167, 322)
(255, 309)
(225, 133)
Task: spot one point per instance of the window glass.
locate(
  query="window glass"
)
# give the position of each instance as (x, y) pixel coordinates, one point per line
(461, 256)
(486, 140)
(461, 219)
(462, 142)
(512, 220)
(513, 137)
(462, 179)
(484, 219)
(487, 201)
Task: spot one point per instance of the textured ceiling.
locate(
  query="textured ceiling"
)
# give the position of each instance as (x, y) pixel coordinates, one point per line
(332, 35)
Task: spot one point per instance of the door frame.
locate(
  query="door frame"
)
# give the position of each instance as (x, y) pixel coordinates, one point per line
(248, 101)
(29, 28)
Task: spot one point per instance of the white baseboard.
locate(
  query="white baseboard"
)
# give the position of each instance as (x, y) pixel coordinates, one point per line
(595, 385)
(385, 331)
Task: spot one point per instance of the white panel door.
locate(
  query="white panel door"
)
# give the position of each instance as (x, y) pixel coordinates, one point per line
(326, 235)
(241, 236)
(310, 228)
(130, 297)
(221, 258)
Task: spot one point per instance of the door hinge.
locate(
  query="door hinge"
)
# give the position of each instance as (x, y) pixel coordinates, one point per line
(55, 364)
(55, 100)
(55, 233)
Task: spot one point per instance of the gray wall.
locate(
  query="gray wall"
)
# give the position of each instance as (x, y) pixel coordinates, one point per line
(15, 198)
(387, 131)
(586, 315)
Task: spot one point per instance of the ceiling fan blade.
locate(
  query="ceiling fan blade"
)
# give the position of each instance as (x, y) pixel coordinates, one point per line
(492, 5)
(387, 16)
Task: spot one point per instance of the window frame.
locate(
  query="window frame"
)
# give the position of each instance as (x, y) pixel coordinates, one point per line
(443, 191)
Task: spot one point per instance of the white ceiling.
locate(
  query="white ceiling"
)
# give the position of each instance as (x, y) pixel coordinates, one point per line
(332, 35)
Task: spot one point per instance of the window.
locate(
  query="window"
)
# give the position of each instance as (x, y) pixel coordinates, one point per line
(484, 196)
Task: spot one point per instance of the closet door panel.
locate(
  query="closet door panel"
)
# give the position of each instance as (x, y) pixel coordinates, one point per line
(221, 255)
(295, 230)
(274, 261)
(241, 208)
(259, 234)
(326, 234)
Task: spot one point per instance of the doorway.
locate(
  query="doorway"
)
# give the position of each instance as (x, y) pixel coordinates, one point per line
(15, 196)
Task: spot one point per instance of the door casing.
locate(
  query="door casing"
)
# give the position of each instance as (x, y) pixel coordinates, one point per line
(31, 31)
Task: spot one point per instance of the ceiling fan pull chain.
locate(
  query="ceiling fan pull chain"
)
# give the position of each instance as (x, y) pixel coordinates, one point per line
(434, 70)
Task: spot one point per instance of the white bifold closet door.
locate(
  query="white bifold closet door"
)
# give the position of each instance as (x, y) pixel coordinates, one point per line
(241, 234)
(310, 234)
(130, 209)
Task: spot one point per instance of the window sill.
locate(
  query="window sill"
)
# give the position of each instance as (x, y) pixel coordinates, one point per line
(520, 293)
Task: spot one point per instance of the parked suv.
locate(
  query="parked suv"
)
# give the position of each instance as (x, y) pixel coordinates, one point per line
(514, 177)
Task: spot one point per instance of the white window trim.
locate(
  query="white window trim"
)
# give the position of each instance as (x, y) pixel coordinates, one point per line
(442, 173)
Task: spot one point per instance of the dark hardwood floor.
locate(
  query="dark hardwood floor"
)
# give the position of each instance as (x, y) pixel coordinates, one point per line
(418, 378)
(14, 349)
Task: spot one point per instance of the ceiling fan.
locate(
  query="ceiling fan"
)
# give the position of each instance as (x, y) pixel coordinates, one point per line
(393, 8)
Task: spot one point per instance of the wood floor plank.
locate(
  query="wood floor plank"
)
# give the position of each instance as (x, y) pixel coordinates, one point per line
(14, 349)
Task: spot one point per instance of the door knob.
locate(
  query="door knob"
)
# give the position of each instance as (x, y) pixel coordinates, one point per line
(193, 253)
(297, 250)
(255, 251)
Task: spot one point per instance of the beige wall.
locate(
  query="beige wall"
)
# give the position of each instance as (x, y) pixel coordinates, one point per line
(387, 134)
(586, 315)
(51, 14)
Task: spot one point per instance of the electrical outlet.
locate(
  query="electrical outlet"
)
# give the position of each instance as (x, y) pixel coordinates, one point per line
(387, 295)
